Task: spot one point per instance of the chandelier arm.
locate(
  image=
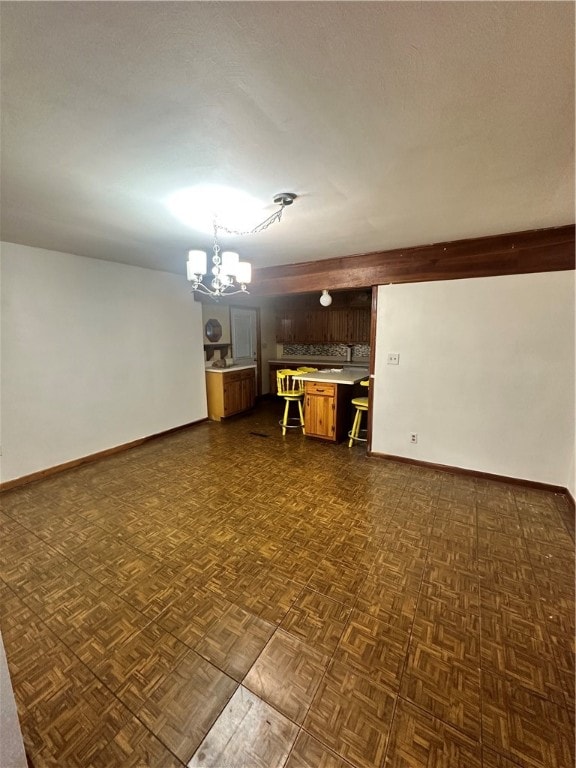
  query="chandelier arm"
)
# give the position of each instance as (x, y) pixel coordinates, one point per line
(201, 288)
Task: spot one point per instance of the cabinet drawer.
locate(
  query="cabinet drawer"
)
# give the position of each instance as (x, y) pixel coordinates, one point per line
(318, 388)
(232, 376)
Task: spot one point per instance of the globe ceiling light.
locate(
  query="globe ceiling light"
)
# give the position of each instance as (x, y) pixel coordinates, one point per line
(229, 274)
(325, 299)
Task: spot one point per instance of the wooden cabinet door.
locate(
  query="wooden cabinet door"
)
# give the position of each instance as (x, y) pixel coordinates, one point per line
(320, 411)
(232, 394)
(248, 389)
(359, 326)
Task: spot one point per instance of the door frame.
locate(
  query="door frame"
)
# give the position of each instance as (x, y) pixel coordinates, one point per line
(256, 310)
(374, 309)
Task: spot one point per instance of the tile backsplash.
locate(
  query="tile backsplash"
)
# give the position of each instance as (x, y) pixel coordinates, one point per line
(327, 350)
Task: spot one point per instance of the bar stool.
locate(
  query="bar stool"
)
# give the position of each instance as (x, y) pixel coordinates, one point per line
(291, 388)
(361, 405)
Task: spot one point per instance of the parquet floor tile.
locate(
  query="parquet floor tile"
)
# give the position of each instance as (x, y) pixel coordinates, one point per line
(444, 687)
(247, 733)
(312, 609)
(448, 632)
(510, 625)
(352, 715)
(181, 710)
(192, 613)
(75, 722)
(94, 626)
(337, 580)
(396, 608)
(525, 727)
(308, 752)
(270, 597)
(134, 670)
(495, 521)
(316, 620)
(134, 746)
(235, 640)
(442, 599)
(374, 649)
(419, 740)
(491, 759)
(286, 675)
(531, 664)
(153, 591)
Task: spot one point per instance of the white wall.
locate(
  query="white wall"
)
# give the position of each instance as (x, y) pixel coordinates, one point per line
(486, 374)
(94, 354)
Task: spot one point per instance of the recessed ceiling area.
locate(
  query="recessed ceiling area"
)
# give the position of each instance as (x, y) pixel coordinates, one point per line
(396, 123)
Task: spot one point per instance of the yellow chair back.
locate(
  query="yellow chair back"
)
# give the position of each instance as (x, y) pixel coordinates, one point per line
(289, 384)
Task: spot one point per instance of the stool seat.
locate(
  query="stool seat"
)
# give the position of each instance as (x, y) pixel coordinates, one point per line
(361, 405)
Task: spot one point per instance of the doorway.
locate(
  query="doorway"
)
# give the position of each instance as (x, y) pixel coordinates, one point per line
(245, 336)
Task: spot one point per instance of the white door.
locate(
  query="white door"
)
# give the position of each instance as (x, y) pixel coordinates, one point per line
(243, 324)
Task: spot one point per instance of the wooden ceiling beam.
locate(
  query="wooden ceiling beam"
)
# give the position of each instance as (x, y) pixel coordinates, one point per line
(539, 250)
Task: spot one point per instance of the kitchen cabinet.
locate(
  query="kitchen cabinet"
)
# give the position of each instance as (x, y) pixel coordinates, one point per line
(325, 410)
(300, 320)
(327, 402)
(230, 391)
(319, 410)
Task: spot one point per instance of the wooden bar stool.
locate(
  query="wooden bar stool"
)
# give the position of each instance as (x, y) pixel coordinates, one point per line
(291, 388)
(361, 405)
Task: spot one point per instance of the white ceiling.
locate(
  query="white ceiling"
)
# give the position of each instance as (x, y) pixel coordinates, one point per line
(396, 123)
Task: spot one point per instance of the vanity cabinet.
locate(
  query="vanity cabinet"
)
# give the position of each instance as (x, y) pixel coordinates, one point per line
(230, 392)
(325, 409)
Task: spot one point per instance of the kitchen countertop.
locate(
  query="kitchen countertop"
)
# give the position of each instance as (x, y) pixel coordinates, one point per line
(337, 362)
(350, 375)
(209, 369)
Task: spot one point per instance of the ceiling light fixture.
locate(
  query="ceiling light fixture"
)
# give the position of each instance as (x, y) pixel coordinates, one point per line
(325, 299)
(230, 275)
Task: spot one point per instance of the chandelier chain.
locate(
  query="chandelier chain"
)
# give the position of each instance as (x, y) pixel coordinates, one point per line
(274, 217)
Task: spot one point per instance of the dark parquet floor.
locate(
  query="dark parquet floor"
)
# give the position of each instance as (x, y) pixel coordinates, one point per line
(226, 597)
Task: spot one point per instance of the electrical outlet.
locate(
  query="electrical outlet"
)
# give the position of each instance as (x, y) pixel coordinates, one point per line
(413, 437)
(393, 358)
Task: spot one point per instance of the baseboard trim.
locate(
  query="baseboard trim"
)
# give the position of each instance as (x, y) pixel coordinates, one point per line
(476, 473)
(568, 515)
(472, 472)
(43, 473)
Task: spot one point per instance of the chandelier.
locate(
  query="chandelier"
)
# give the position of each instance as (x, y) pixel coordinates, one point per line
(229, 274)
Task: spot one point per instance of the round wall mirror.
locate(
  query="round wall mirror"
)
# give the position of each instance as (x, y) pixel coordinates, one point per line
(213, 330)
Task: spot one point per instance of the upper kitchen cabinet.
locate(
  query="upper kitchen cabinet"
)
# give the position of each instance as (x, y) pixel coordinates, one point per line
(300, 319)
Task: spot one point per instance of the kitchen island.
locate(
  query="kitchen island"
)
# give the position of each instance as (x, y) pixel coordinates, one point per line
(322, 363)
(327, 401)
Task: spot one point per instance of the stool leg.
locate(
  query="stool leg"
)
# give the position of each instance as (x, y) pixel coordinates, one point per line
(301, 416)
(355, 428)
(285, 420)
